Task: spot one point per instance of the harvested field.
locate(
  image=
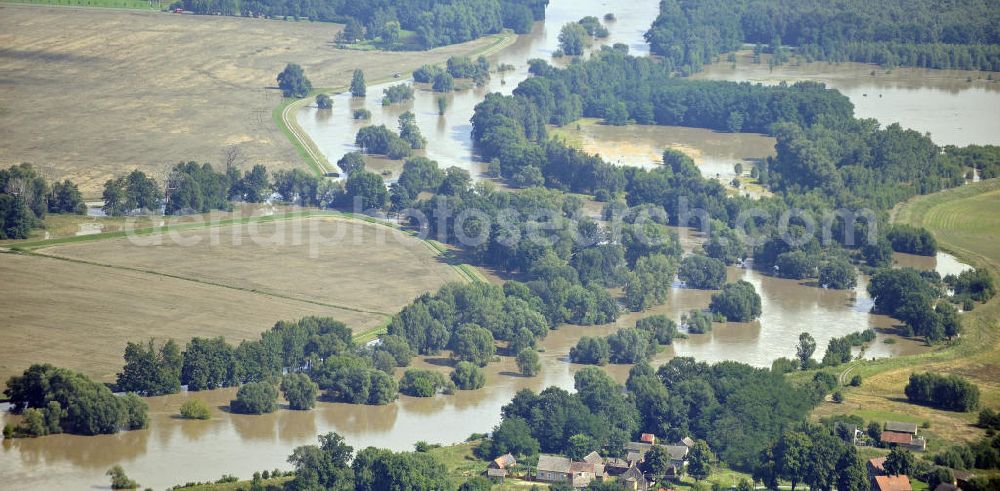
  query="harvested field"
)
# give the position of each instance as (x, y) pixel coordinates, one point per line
(76, 305)
(325, 260)
(80, 316)
(93, 93)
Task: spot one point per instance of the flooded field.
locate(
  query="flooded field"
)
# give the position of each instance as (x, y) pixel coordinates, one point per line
(956, 107)
(449, 139)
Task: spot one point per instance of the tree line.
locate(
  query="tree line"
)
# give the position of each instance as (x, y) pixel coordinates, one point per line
(431, 22)
(960, 35)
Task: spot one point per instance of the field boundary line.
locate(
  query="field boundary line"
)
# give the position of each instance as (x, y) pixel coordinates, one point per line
(200, 281)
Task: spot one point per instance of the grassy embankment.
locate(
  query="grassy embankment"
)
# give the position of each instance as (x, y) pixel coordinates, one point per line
(966, 223)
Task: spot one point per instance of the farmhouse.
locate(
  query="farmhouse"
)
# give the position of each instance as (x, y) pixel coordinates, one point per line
(904, 440)
(554, 468)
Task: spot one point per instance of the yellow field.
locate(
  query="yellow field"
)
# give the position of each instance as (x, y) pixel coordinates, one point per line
(77, 304)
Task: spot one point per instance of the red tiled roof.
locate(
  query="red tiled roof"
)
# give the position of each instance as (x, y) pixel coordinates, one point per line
(893, 437)
(893, 483)
(648, 438)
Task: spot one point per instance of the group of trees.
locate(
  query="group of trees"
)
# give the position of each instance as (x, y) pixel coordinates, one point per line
(928, 34)
(395, 94)
(812, 454)
(467, 318)
(334, 465)
(57, 400)
(25, 198)
(738, 410)
(190, 188)
(629, 345)
(443, 79)
(949, 392)
(913, 297)
(981, 454)
(430, 23)
(381, 140)
(737, 302)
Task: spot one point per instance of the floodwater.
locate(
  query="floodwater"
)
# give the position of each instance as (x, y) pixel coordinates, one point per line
(174, 451)
(449, 138)
(956, 107)
(715, 153)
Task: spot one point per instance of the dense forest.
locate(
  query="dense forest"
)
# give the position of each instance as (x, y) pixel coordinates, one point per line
(430, 22)
(963, 34)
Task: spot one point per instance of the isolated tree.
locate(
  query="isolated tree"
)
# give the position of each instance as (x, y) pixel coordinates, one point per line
(805, 349)
(443, 82)
(324, 101)
(442, 103)
(467, 376)
(293, 82)
(838, 274)
(702, 272)
(358, 88)
(528, 363)
(657, 461)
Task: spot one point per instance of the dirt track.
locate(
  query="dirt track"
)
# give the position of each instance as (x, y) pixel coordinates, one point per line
(92, 93)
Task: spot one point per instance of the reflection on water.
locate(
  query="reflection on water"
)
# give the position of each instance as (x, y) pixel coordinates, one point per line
(946, 103)
(944, 263)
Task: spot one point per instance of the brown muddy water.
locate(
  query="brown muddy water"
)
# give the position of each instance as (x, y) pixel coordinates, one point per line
(174, 451)
(956, 107)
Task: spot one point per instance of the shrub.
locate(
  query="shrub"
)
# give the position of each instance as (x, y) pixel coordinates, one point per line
(528, 363)
(119, 480)
(195, 409)
(418, 382)
(468, 376)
